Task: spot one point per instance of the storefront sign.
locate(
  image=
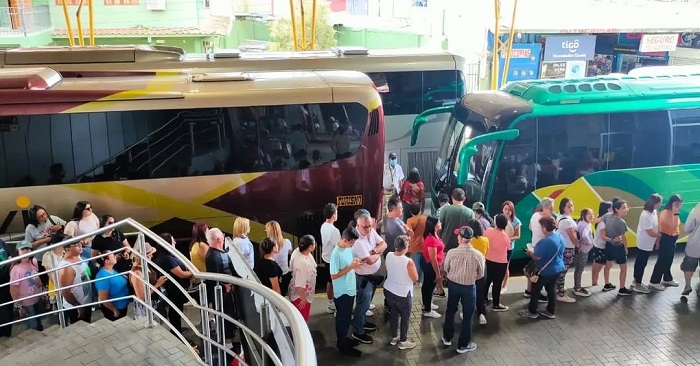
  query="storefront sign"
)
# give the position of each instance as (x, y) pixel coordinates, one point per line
(524, 63)
(569, 48)
(553, 70)
(658, 43)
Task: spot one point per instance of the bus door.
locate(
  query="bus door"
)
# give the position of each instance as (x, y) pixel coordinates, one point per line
(475, 161)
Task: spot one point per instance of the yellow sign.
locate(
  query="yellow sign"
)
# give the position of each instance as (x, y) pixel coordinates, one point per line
(344, 201)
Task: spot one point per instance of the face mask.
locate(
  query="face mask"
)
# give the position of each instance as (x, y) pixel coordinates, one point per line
(392, 162)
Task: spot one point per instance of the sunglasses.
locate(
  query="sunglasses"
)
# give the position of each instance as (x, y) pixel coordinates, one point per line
(366, 227)
(88, 208)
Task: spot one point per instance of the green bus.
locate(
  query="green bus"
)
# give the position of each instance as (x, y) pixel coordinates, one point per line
(588, 139)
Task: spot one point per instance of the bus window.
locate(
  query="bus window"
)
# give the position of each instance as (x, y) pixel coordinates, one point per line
(517, 171)
(106, 146)
(412, 92)
(686, 128)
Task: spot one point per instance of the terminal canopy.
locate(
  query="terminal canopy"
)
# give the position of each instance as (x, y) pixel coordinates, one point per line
(601, 16)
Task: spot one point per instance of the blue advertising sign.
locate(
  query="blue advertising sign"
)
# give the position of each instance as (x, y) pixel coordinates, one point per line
(569, 48)
(524, 63)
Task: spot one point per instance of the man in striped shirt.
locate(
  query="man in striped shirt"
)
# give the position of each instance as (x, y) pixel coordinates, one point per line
(464, 265)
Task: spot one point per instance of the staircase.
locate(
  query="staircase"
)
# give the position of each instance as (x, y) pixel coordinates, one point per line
(123, 342)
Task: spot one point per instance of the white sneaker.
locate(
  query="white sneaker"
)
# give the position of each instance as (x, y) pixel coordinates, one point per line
(432, 314)
(482, 319)
(434, 306)
(640, 288)
(331, 307)
(461, 315)
(394, 341)
(566, 299)
(407, 345)
(671, 283)
(657, 286)
(369, 313)
(372, 306)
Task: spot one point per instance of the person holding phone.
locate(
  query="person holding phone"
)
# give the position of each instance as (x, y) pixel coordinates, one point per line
(616, 242)
(670, 228)
(342, 270)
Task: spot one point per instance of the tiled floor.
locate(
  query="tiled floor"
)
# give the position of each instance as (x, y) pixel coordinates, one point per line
(604, 329)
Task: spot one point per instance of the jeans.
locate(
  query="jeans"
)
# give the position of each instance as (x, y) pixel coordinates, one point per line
(495, 273)
(481, 295)
(428, 285)
(640, 264)
(399, 306)
(343, 315)
(417, 259)
(662, 268)
(549, 284)
(32, 310)
(580, 261)
(365, 292)
(569, 254)
(465, 294)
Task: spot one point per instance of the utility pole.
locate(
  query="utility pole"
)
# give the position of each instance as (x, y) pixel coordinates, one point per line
(499, 46)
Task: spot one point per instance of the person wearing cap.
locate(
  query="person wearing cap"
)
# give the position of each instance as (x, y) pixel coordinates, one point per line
(75, 274)
(443, 201)
(27, 269)
(392, 180)
(463, 266)
(482, 216)
(136, 280)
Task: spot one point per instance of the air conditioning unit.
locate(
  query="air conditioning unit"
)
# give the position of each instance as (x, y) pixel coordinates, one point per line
(155, 4)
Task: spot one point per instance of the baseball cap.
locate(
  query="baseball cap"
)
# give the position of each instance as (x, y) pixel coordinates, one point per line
(465, 231)
(478, 206)
(392, 155)
(24, 245)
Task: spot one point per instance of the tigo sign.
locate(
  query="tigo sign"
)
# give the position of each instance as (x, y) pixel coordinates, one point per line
(658, 43)
(569, 48)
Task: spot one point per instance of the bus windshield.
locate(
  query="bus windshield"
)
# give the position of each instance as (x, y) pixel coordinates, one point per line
(464, 125)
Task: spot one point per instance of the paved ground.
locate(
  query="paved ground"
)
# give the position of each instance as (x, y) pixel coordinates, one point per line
(604, 329)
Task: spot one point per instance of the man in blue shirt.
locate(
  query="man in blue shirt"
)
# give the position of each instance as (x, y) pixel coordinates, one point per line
(342, 270)
(548, 256)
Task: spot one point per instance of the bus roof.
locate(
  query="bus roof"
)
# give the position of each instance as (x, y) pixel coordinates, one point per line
(131, 58)
(605, 94)
(198, 89)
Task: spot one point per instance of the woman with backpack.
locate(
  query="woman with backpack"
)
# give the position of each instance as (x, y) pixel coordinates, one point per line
(567, 227)
(584, 231)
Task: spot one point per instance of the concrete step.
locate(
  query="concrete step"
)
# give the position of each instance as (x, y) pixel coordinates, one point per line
(124, 342)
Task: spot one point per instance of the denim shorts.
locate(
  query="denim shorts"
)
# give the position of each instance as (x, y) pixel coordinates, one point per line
(615, 253)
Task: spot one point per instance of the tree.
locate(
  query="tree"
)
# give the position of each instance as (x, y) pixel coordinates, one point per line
(281, 29)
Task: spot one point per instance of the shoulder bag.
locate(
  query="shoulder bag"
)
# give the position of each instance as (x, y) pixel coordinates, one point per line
(533, 273)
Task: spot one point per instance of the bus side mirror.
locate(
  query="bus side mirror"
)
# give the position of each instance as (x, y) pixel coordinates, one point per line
(422, 119)
(469, 149)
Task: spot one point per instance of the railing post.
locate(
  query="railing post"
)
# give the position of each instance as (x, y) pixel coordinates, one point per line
(265, 328)
(219, 307)
(141, 243)
(204, 315)
(59, 297)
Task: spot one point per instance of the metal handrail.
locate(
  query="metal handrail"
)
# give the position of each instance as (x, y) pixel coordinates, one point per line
(302, 355)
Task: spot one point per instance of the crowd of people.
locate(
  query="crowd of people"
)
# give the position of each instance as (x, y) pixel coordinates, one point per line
(461, 253)
(467, 251)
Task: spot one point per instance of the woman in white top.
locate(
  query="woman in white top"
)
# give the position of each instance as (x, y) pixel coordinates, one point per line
(284, 246)
(401, 274)
(83, 221)
(567, 228)
(647, 240)
(241, 229)
(599, 260)
(544, 209)
(303, 284)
